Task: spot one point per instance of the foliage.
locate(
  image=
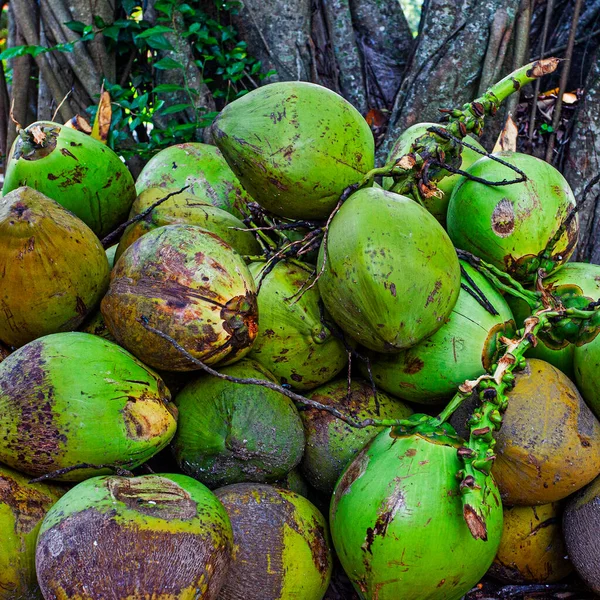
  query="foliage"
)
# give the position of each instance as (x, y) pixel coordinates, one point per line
(146, 116)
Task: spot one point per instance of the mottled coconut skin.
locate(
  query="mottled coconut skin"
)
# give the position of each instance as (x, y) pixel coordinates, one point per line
(391, 275)
(54, 269)
(397, 521)
(202, 168)
(230, 432)
(282, 545)
(189, 284)
(23, 505)
(532, 549)
(153, 536)
(72, 398)
(511, 225)
(295, 147)
(293, 343)
(332, 444)
(187, 209)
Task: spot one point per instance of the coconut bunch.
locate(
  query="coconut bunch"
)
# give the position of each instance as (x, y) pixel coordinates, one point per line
(244, 385)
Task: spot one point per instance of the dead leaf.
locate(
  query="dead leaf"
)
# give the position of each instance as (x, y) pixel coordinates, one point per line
(375, 118)
(569, 98)
(507, 140)
(39, 137)
(79, 123)
(103, 117)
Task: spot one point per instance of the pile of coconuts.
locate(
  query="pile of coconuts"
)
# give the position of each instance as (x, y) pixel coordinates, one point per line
(222, 378)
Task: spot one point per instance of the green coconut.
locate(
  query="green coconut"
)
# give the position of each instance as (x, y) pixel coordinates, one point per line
(282, 545)
(201, 167)
(292, 342)
(54, 269)
(586, 363)
(532, 549)
(72, 398)
(231, 432)
(397, 521)
(187, 209)
(437, 204)
(295, 146)
(153, 536)
(391, 274)
(511, 226)
(463, 348)
(23, 505)
(330, 442)
(189, 284)
(77, 171)
(581, 522)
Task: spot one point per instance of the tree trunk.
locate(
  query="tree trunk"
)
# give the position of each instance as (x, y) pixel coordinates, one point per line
(358, 48)
(461, 49)
(583, 164)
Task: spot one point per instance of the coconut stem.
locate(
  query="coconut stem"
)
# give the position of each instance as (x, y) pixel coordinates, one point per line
(478, 453)
(495, 276)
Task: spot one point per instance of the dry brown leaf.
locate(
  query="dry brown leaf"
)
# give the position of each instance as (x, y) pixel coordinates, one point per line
(103, 117)
(375, 118)
(38, 135)
(507, 140)
(79, 123)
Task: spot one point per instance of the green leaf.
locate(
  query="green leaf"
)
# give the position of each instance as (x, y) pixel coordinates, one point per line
(17, 51)
(168, 87)
(159, 29)
(77, 26)
(175, 108)
(99, 22)
(168, 63)
(159, 42)
(112, 32)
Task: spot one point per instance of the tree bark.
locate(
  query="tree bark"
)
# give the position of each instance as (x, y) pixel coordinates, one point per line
(583, 164)
(358, 48)
(278, 34)
(462, 46)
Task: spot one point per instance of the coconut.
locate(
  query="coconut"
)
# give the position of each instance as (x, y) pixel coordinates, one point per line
(549, 443)
(282, 545)
(391, 274)
(295, 146)
(72, 398)
(231, 432)
(293, 343)
(532, 549)
(23, 505)
(581, 523)
(436, 204)
(185, 208)
(330, 442)
(54, 269)
(76, 170)
(191, 285)
(202, 168)
(153, 536)
(463, 348)
(397, 520)
(511, 226)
